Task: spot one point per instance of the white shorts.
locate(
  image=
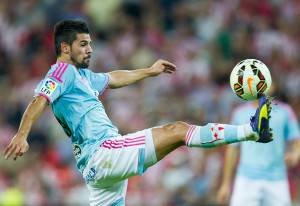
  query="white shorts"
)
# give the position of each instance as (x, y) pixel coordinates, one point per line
(249, 192)
(114, 161)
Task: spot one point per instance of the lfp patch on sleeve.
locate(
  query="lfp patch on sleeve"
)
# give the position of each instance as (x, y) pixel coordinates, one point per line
(48, 87)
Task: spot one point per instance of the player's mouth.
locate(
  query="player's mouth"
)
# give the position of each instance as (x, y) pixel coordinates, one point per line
(87, 60)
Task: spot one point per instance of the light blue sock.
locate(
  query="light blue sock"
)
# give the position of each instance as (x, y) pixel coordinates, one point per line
(213, 134)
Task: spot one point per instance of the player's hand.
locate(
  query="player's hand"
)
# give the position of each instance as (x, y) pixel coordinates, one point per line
(16, 148)
(161, 66)
(292, 159)
(223, 194)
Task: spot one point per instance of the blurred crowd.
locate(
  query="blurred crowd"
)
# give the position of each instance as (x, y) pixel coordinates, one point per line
(204, 38)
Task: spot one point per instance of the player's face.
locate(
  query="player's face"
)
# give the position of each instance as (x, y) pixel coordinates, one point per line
(81, 51)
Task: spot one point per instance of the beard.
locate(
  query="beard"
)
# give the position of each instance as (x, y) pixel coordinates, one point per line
(83, 64)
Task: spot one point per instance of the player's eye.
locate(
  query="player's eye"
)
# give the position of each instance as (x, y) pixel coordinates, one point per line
(83, 43)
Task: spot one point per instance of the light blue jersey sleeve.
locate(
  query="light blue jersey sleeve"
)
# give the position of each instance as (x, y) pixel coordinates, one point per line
(291, 129)
(99, 81)
(57, 81)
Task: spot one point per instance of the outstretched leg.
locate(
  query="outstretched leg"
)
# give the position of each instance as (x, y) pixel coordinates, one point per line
(171, 136)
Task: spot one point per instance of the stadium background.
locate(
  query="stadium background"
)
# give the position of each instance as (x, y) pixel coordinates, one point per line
(205, 39)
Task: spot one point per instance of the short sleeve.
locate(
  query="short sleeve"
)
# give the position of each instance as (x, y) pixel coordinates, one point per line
(57, 81)
(292, 130)
(98, 81)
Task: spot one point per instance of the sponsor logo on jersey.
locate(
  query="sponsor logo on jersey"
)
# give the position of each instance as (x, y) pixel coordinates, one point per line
(48, 87)
(76, 151)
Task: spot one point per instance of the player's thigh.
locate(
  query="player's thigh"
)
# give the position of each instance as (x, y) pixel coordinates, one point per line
(168, 137)
(119, 158)
(246, 192)
(113, 195)
(277, 193)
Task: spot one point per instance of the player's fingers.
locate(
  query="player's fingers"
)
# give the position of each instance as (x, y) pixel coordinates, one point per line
(169, 71)
(17, 152)
(169, 65)
(18, 155)
(23, 150)
(168, 68)
(171, 68)
(9, 151)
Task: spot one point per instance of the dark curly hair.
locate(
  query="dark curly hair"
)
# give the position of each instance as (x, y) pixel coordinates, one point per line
(66, 31)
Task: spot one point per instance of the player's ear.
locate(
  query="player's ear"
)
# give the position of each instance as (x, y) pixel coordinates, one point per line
(65, 48)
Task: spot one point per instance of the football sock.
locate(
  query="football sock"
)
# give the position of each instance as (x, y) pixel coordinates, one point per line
(214, 134)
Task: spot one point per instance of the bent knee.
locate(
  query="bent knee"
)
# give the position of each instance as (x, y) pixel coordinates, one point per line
(176, 127)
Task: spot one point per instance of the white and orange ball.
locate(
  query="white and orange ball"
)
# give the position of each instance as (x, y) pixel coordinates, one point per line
(250, 79)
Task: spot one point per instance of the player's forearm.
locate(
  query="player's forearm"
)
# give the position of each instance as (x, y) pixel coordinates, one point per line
(229, 164)
(296, 148)
(121, 78)
(31, 114)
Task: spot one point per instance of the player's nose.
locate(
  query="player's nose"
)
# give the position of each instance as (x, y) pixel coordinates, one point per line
(89, 50)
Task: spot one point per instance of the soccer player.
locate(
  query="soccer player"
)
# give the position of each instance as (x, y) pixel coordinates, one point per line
(261, 178)
(104, 157)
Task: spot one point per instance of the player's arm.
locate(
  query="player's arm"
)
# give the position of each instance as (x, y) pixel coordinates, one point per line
(231, 156)
(121, 78)
(292, 156)
(18, 145)
(292, 129)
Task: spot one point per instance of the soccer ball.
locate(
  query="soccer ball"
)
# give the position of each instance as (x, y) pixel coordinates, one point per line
(250, 79)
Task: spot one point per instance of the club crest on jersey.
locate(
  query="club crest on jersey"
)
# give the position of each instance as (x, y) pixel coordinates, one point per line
(76, 151)
(48, 87)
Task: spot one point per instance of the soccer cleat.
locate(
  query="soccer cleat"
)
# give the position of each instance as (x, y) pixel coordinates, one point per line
(260, 121)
